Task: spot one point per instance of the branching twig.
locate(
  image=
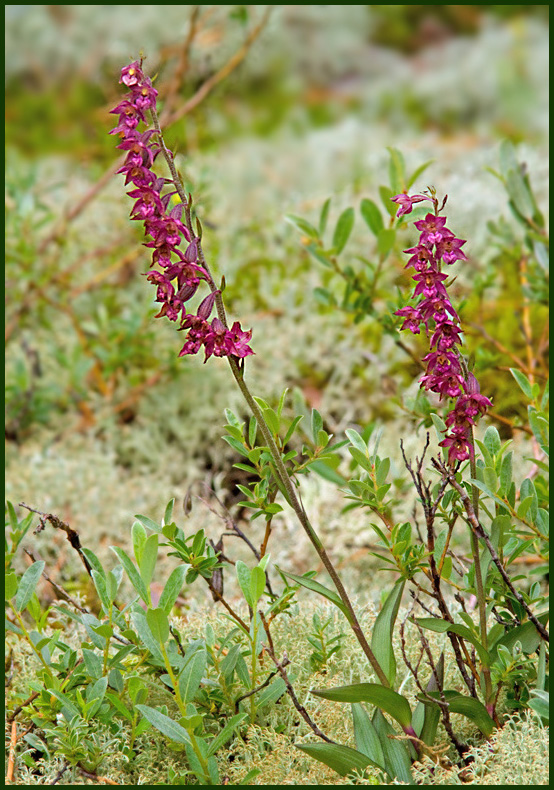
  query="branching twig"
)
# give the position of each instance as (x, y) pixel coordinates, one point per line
(478, 530)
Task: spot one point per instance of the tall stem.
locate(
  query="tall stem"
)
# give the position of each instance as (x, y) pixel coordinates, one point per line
(280, 469)
(481, 599)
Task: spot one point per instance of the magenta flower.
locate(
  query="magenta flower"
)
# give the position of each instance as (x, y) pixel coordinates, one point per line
(449, 250)
(459, 446)
(430, 284)
(413, 319)
(432, 229)
(406, 203)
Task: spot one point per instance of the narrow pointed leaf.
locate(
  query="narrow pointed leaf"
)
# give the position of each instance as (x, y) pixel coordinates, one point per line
(27, 585)
(397, 759)
(388, 700)
(442, 626)
(341, 759)
(381, 638)
(165, 725)
(367, 739)
(310, 584)
(469, 707)
(225, 735)
(172, 588)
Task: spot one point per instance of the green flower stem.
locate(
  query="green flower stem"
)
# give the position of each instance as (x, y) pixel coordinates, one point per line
(280, 469)
(284, 477)
(171, 673)
(481, 598)
(254, 664)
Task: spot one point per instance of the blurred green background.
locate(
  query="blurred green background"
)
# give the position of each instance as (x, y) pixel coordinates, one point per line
(103, 420)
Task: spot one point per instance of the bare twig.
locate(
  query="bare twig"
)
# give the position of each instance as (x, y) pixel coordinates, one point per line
(57, 523)
(234, 61)
(270, 650)
(11, 756)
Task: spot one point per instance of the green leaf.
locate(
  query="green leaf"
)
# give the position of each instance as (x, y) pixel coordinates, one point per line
(371, 216)
(397, 760)
(526, 634)
(523, 381)
(158, 624)
(381, 638)
(191, 675)
(356, 440)
(443, 626)
(397, 171)
(324, 215)
(486, 490)
(225, 734)
(491, 440)
(132, 573)
(272, 693)
(168, 514)
(426, 716)
(519, 193)
(324, 470)
(10, 586)
(27, 585)
(316, 424)
(341, 759)
(173, 588)
(367, 740)
(469, 707)
(257, 584)
(138, 535)
(149, 557)
(388, 700)
(147, 522)
(311, 584)
(417, 172)
(539, 702)
(165, 725)
(385, 241)
(343, 229)
(302, 225)
(243, 577)
(101, 588)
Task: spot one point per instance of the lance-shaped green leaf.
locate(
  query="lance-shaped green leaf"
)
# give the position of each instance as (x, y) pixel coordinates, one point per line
(366, 737)
(191, 676)
(172, 588)
(27, 585)
(442, 626)
(381, 638)
(341, 759)
(388, 700)
(132, 573)
(148, 560)
(222, 737)
(372, 216)
(158, 625)
(539, 702)
(165, 725)
(343, 229)
(469, 707)
(397, 759)
(426, 716)
(257, 584)
(243, 577)
(310, 584)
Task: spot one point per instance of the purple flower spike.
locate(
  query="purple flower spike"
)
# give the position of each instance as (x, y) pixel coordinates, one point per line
(182, 274)
(445, 374)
